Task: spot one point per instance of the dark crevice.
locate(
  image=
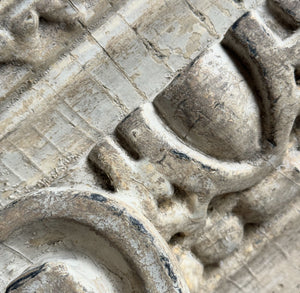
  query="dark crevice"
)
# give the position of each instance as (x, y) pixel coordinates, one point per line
(297, 124)
(126, 147)
(177, 238)
(150, 46)
(184, 198)
(164, 204)
(101, 178)
(296, 129)
(179, 194)
(250, 228)
(210, 208)
(209, 269)
(297, 75)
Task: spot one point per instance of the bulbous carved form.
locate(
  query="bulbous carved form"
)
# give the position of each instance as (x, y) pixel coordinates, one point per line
(218, 117)
(223, 235)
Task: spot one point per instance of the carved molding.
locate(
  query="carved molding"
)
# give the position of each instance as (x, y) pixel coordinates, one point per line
(96, 245)
(191, 177)
(204, 160)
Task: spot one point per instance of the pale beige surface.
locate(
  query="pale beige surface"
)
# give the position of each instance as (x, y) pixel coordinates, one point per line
(67, 82)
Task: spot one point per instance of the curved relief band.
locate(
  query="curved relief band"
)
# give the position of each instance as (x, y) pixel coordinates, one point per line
(87, 227)
(287, 10)
(145, 132)
(272, 64)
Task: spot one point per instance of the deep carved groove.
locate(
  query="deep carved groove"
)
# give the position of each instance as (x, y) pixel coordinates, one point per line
(297, 75)
(177, 238)
(126, 147)
(101, 177)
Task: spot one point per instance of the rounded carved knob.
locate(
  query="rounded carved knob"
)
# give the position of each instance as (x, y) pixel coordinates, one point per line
(222, 236)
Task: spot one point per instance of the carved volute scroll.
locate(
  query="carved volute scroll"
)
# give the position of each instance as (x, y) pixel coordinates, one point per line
(188, 184)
